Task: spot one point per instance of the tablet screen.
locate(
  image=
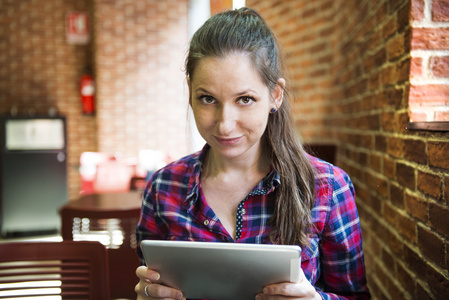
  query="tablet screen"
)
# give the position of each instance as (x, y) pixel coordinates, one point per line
(221, 270)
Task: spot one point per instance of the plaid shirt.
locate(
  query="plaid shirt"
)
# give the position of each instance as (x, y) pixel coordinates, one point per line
(174, 208)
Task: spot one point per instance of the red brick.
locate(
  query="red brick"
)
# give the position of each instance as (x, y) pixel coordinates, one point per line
(415, 150)
(437, 281)
(405, 278)
(432, 94)
(396, 47)
(402, 121)
(389, 28)
(416, 67)
(417, 10)
(429, 184)
(403, 71)
(439, 218)
(388, 75)
(387, 258)
(406, 226)
(375, 162)
(393, 97)
(390, 214)
(447, 253)
(388, 122)
(440, 10)
(422, 292)
(438, 153)
(442, 116)
(394, 244)
(431, 245)
(405, 175)
(430, 38)
(375, 40)
(362, 158)
(397, 196)
(380, 143)
(446, 189)
(403, 16)
(415, 262)
(394, 5)
(382, 11)
(380, 57)
(396, 291)
(389, 168)
(418, 116)
(395, 146)
(417, 207)
(439, 66)
(383, 276)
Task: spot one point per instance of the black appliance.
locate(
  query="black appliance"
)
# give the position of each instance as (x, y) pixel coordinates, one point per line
(33, 175)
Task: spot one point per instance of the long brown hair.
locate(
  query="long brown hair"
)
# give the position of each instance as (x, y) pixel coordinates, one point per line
(244, 30)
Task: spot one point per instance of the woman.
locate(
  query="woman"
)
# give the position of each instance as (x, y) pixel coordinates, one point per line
(253, 182)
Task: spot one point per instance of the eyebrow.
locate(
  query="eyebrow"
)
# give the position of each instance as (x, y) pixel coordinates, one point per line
(245, 92)
(202, 90)
(241, 93)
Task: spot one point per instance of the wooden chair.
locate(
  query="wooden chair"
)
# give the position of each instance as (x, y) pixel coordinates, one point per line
(67, 270)
(115, 227)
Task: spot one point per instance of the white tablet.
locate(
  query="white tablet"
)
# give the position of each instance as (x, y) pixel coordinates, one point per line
(221, 270)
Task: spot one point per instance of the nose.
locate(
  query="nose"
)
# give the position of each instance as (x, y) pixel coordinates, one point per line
(226, 120)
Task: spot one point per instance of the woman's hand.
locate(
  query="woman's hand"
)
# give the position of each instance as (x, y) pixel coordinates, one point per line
(148, 288)
(288, 290)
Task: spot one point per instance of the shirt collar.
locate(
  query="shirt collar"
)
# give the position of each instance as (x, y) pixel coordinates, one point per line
(267, 185)
(194, 181)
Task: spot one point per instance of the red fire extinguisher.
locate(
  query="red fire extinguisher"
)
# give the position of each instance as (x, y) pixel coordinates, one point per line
(87, 89)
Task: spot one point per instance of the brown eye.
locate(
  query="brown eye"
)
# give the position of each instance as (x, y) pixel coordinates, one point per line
(246, 100)
(207, 99)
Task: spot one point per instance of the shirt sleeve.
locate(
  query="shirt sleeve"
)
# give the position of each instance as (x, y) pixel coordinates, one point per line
(146, 228)
(343, 267)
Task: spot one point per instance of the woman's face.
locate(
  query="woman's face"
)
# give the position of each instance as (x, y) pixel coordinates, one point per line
(231, 104)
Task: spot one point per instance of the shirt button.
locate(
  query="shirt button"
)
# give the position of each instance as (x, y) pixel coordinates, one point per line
(206, 222)
(243, 211)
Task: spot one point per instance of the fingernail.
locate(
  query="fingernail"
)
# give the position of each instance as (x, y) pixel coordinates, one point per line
(155, 276)
(258, 297)
(265, 291)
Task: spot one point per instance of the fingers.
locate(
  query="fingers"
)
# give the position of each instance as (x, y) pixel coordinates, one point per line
(302, 289)
(148, 288)
(146, 274)
(157, 291)
(282, 289)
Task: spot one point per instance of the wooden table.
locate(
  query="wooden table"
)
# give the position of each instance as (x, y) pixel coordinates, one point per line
(110, 202)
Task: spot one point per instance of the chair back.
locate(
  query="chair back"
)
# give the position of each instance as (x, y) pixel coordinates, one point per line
(115, 228)
(54, 270)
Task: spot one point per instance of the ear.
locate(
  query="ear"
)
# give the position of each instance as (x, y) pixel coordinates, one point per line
(277, 94)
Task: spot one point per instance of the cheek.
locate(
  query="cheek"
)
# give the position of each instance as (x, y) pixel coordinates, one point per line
(256, 122)
(202, 118)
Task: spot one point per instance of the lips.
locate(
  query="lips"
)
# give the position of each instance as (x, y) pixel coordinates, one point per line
(228, 141)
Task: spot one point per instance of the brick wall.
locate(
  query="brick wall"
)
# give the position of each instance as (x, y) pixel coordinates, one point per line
(429, 90)
(136, 54)
(40, 71)
(142, 96)
(348, 64)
